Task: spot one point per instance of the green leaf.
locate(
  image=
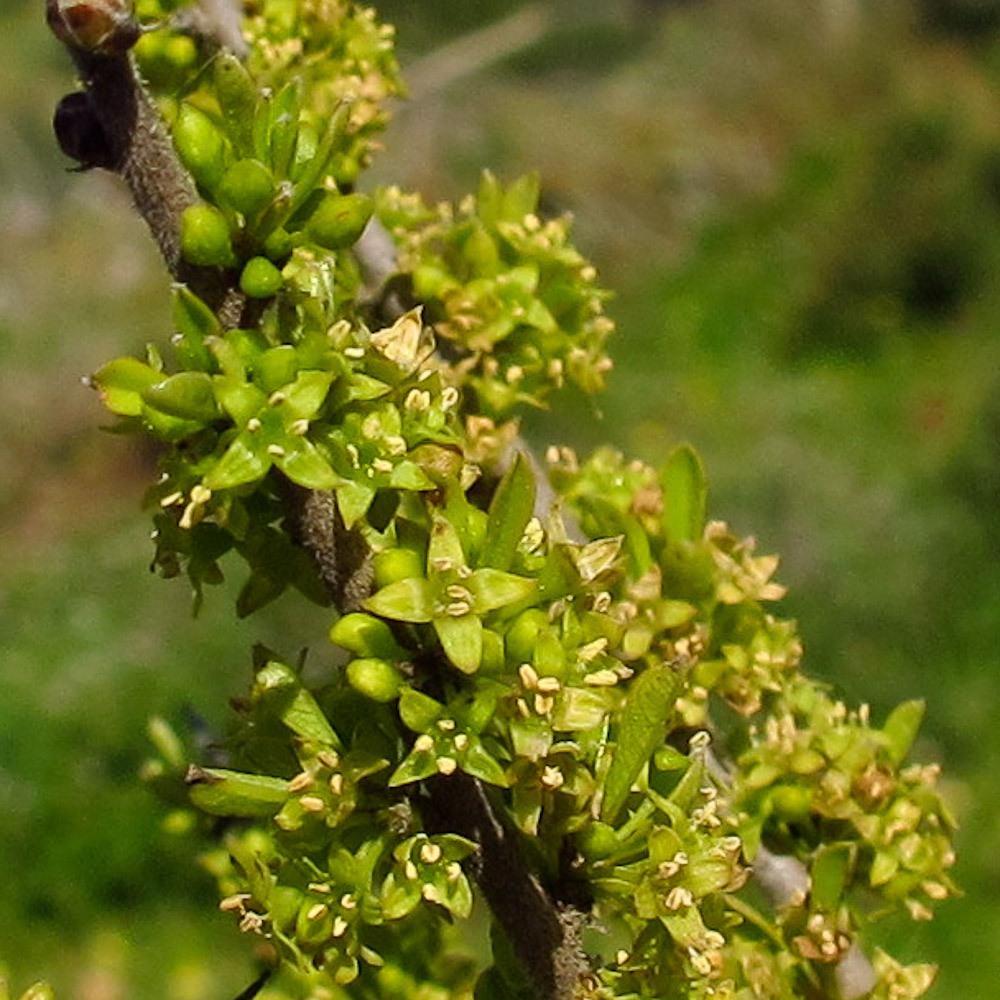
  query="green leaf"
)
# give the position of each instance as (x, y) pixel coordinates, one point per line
(234, 793)
(641, 730)
(493, 588)
(684, 493)
(188, 395)
(241, 463)
(410, 600)
(462, 640)
(511, 508)
(121, 383)
(294, 704)
(195, 323)
(900, 729)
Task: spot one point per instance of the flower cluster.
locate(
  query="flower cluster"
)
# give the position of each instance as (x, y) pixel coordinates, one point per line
(608, 672)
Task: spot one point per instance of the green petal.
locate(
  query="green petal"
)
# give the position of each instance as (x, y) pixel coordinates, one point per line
(410, 600)
(241, 463)
(462, 640)
(353, 501)
(493, 588)
(303, 464)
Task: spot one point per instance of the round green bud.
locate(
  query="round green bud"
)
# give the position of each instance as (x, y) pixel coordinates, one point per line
(283, 905)
(378, 680)
(260, 279)
(201, 146)
(247, 186)
(205, 237)
(597, 841)
(523, 634)
(339, 220)
(791, 803)
(279, 244)
(392, 565)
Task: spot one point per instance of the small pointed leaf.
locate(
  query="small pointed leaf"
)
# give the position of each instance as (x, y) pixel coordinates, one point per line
(641, 730)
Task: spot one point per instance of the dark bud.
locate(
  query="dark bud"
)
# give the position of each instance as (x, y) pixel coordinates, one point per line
(103, 27)
(80, 133)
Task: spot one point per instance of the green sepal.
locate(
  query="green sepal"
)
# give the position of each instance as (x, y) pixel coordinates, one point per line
(234, 793)
(120, 384)
(641, 730)
(478, 763)
(416, 766)
(302, 463)
(684, 493)
(510, 510)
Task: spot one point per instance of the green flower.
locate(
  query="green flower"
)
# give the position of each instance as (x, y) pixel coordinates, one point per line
(452, 596)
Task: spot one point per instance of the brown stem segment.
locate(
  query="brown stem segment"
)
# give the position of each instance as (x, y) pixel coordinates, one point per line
(541, 934)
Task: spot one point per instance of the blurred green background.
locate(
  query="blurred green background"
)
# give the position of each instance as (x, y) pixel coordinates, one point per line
(798, 204)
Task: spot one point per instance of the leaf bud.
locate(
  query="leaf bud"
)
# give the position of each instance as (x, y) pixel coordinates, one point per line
(80, 133)
(104, 27)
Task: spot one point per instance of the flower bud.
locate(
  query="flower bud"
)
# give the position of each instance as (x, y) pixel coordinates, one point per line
(104, 27)
(201, 146)
(260, 279)
(378, 680)
(205, 238)
(247, 186)
(339, 219)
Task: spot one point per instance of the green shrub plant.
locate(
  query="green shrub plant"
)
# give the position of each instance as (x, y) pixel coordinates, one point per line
(560, 745)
